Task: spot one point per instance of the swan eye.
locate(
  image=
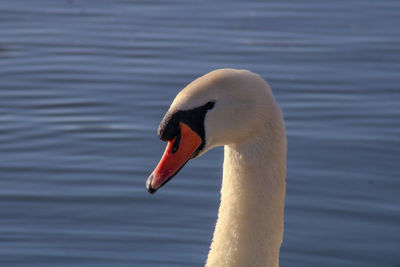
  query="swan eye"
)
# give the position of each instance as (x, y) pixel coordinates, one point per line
(209, 105)
(194, 118)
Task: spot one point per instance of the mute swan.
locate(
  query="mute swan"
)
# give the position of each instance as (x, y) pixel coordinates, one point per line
(235, 109)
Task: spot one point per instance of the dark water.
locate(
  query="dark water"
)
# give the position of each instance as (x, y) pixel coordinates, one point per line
(84, 84)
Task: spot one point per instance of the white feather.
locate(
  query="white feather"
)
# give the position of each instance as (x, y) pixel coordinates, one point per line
(248, 122)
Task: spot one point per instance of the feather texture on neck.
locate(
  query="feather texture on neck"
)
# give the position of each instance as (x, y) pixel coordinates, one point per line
(249, 229)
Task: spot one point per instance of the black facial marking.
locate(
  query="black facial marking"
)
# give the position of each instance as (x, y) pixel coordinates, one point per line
(194, 118)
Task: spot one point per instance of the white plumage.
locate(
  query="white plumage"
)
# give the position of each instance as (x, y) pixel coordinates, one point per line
(248, 122)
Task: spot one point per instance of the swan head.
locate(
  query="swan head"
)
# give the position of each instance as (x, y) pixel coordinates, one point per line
(223, 107)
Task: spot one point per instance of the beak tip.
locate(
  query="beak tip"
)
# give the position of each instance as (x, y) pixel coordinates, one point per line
(150, 189)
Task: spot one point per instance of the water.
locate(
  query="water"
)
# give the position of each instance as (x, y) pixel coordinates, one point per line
(84, 84)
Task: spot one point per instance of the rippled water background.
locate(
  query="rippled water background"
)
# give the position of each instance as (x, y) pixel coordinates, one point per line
(84, 84)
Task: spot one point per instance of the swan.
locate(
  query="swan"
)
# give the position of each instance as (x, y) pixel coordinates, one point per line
(235, 109)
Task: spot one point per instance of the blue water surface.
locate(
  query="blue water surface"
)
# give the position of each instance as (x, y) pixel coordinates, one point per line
(84, 84)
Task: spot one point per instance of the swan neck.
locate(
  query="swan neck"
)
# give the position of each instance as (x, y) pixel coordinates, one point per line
(249, 228)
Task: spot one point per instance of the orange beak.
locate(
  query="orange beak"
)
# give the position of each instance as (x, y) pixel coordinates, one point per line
(179, 150)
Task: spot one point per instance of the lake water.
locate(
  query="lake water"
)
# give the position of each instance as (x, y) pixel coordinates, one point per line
(84, 85)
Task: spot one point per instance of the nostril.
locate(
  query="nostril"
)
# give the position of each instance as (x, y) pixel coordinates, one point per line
(175, 145)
